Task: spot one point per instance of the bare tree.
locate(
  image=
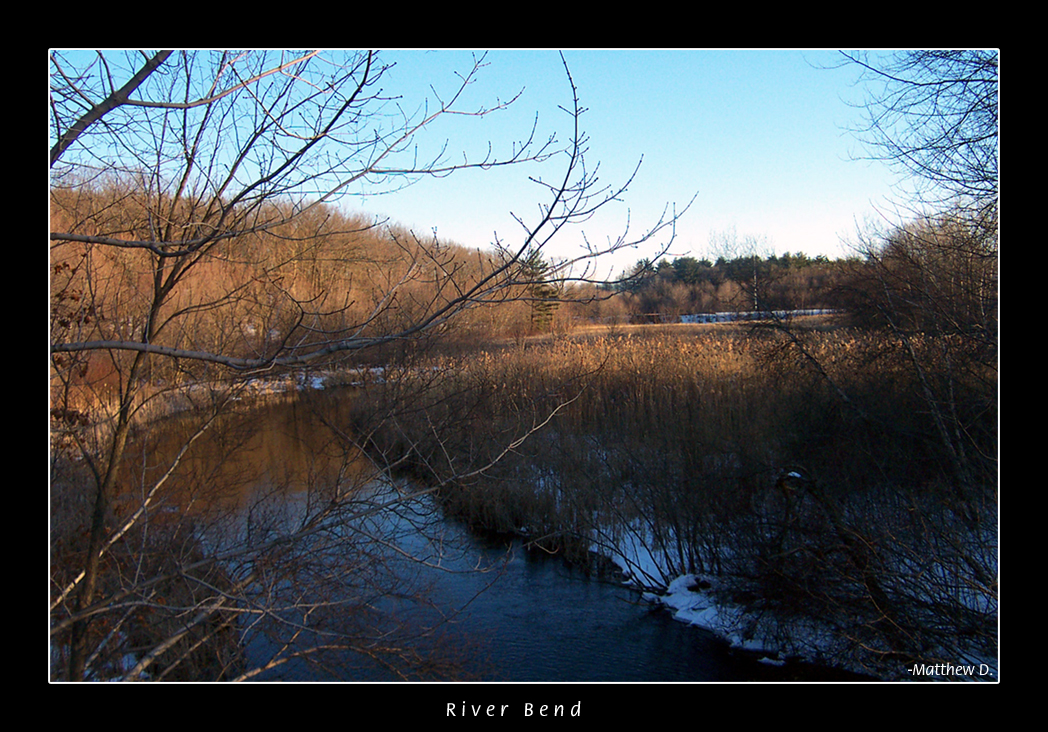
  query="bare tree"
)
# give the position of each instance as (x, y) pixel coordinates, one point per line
(924, 296)
(933, 115)
(190, 192)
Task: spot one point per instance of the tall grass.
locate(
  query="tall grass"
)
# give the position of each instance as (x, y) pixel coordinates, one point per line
(681, 439)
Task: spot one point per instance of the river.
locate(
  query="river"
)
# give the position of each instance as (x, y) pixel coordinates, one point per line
(493, 610)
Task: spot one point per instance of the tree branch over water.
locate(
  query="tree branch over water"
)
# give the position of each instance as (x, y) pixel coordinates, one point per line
(199, 239)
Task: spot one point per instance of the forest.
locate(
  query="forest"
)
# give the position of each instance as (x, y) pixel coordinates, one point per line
(834, 475)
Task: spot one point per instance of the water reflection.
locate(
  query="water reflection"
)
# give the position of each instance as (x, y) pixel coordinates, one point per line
(400, 587)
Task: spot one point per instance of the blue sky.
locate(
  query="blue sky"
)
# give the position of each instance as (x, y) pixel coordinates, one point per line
(759, 138)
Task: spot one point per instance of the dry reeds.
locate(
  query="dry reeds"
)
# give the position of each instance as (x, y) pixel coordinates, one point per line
(673, 438)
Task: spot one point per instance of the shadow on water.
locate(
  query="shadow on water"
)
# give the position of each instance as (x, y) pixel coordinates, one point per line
(544, 620)
(527, 617)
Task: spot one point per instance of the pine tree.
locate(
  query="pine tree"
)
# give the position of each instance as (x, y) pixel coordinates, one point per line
(542, 295)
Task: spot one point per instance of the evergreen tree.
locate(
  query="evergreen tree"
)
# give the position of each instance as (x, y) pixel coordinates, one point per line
(542, 294)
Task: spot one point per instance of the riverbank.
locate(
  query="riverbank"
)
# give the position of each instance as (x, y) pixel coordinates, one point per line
(676, 452)
(798, 474)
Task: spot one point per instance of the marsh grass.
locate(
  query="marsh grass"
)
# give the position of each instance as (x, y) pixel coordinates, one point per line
(678, 438)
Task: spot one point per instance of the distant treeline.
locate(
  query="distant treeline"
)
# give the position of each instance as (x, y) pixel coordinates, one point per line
(330, 272)
(687, 285)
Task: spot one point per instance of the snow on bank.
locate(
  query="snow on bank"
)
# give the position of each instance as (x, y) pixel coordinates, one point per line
(691, 598)
(697, 599)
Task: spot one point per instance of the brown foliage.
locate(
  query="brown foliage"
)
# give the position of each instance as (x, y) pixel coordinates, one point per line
(689, 430)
